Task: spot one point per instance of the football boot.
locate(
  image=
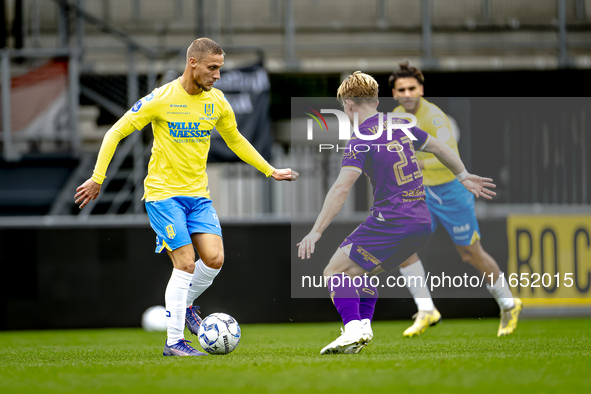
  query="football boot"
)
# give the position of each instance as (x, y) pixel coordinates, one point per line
(181, 348)
(193, 320)
(423, 319)
(509, 318)
(348, 343)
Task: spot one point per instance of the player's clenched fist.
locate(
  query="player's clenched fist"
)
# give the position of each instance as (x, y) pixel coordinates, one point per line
(87, 192)
(286, 174)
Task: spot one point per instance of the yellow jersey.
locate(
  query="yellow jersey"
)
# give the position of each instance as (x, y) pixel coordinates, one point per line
(182, 126)
(434, 121)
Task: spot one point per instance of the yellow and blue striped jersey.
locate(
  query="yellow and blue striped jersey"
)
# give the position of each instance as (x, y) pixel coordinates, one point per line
(434, 121)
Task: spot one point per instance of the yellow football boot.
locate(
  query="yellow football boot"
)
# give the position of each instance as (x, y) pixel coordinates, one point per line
(509, 319)
(423, 319)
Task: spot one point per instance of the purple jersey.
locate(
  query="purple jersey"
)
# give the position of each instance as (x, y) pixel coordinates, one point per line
(392, 169)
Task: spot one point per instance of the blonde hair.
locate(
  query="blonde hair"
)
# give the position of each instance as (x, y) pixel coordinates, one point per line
(202, 47)
(360, 88)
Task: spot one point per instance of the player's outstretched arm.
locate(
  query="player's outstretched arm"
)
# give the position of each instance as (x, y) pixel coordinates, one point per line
(90, 189)
(473, 183)
(285, 174)
(334, 201)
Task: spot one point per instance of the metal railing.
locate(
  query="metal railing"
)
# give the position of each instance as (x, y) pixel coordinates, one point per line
(287, 26)
(244, 192)
(129, 165)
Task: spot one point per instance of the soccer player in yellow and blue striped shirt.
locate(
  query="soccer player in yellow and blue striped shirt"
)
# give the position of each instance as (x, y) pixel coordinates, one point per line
(450, 205)
(183, 114)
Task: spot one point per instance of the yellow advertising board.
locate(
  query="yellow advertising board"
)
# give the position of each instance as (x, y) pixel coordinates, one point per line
(550, 259)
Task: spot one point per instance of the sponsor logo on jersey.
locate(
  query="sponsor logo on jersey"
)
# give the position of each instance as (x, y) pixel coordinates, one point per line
(150, 97)
(170, 232)
(136, 107)
(437, 121)
(187, 130)
(209, 109)
(350, 154)
(461, 229)
(368, 256)
(179, 105)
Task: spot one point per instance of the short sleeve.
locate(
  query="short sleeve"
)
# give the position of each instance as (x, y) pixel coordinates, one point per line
(421, 135)
(143, 111)
(422, 138)
(354, 159)
(227, 120)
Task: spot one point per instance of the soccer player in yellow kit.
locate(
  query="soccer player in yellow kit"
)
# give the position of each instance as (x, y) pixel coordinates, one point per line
(450, 205)
(183, 114)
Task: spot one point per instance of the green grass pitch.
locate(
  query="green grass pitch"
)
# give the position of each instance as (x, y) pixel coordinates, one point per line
(458, 356)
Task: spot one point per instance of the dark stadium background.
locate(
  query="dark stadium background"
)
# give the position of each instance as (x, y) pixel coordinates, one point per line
(61, 272)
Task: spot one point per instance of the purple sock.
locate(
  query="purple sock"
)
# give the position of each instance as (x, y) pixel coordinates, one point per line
(345, 297)
(368, 296)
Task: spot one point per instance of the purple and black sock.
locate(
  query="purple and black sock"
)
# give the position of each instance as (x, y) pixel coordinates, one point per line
(368, 296)
(345, 297)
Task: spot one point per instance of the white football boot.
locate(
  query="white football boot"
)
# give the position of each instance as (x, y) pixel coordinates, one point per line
(367, 329)
(352, 340)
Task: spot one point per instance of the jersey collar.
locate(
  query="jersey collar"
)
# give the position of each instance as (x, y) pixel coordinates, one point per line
(422, 108)
(368, 116)
(193, 96)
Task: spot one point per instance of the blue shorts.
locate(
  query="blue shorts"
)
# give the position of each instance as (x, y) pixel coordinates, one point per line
(386, 244)
(453, 206)
(176, 218)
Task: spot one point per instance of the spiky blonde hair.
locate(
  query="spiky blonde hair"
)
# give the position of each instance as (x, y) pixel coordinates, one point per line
(359, 87)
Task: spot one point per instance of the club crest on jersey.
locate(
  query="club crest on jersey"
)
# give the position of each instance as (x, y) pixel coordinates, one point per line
(170, 233)
(208, 109)
(438, 121)
(136, 107)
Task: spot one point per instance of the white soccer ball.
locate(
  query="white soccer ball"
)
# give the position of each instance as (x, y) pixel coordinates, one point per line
(219, 333)
(154, 319)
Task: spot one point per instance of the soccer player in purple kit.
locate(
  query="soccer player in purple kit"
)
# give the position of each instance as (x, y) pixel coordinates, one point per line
(399, 223)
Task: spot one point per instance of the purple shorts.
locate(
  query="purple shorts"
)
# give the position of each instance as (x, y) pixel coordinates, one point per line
(374, 242)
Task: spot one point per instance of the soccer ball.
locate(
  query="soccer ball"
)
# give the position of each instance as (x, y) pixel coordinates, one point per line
(154, 319)
(219, 333)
